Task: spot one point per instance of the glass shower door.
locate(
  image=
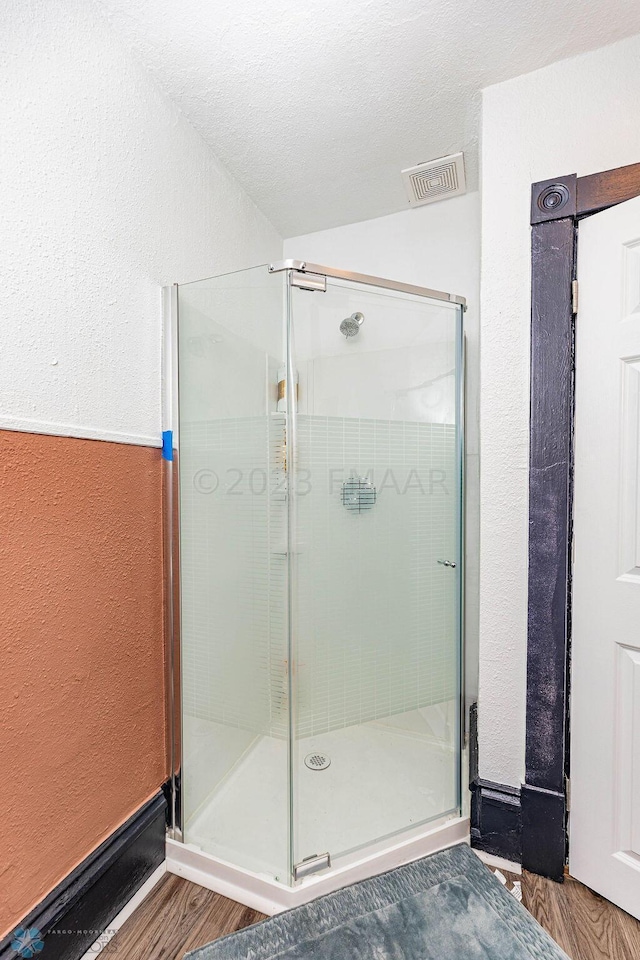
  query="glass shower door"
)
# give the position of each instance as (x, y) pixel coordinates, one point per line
(374, 565)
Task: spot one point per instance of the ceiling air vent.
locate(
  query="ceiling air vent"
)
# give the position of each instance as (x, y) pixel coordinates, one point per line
(435, 180)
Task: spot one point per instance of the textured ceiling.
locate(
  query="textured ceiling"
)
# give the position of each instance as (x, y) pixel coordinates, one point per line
(315, 107)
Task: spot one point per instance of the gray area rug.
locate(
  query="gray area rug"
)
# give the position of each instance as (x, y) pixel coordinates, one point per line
(445, 907)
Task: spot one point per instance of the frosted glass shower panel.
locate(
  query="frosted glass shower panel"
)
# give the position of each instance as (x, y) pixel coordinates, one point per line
(233, 563)
(376, 629)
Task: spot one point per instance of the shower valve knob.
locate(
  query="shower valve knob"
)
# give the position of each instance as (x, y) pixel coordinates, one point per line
(447, 563)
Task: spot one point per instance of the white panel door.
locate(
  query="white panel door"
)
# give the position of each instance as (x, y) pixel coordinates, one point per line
(604, 844)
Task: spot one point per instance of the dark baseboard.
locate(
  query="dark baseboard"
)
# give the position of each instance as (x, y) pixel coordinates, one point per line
(496, 819)
(473, 744)
(544, 847)
(80, 908)
(166, 792)
(167, 788)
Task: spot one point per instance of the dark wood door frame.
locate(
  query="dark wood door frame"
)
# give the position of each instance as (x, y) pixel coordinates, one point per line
(557, 206)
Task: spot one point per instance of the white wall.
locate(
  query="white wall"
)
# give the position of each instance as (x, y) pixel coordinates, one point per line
(577, 116)
(108, 193)
(436, 246)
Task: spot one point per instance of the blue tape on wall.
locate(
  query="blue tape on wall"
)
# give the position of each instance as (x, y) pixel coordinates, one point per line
(167, 444)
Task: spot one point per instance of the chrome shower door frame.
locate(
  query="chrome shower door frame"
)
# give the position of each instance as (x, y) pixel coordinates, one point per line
(171, 551)
(304, 267)
(306, 272)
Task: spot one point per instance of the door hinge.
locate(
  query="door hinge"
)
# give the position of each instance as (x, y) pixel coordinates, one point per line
(319, 861)
(567, 793)
(574, 297)
(309, 281)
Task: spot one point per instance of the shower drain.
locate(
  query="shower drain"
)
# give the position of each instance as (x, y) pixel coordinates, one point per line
(317, 761)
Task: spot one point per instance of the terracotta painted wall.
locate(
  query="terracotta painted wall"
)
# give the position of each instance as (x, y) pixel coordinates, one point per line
(107, 195)
(82, 725)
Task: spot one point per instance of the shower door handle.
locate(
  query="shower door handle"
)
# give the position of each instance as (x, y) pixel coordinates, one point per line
(447, 563)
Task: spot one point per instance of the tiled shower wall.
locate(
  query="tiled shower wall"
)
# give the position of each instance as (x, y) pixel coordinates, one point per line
(234, 570)
(376, 628)
(375, 612)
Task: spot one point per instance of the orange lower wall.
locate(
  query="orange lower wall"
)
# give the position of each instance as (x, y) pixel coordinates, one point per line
(82, 732)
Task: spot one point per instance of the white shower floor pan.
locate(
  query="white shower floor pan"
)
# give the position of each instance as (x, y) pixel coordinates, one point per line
(392, 781)
(381, 780)
(269, 896)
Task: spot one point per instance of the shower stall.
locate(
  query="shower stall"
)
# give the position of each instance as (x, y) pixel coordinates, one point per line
(315, 524)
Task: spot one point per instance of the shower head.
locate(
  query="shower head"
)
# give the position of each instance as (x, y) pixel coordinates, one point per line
(350, 326)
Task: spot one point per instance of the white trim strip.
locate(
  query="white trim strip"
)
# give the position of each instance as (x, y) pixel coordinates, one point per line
(21, 425)
(262, 893)
(125, 913)
(498, 862)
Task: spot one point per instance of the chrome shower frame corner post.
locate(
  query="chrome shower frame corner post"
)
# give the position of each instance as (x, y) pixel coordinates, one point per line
(291, 464)
(463, 731)
(171, 551)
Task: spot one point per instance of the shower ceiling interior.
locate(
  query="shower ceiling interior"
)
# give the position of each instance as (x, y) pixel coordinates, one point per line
(316, 108)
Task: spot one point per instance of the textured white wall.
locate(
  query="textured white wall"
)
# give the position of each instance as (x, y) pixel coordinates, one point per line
(435, 246)
(577, 116)
(108, 193)
(317, 107)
